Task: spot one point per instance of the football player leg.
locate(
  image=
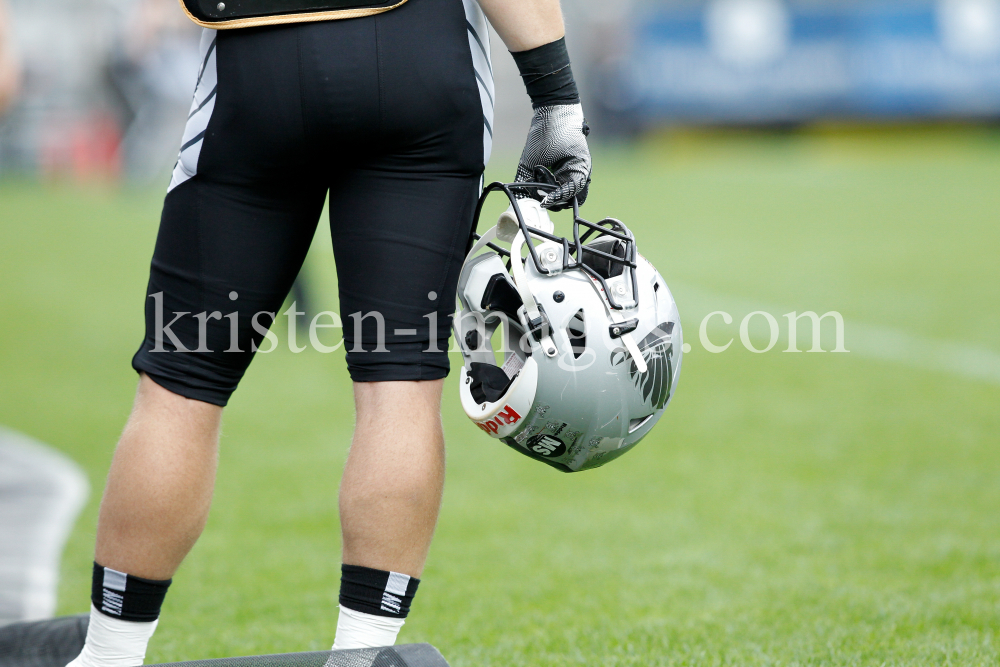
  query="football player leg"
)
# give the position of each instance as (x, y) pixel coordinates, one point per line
(154, 508)
(387, 530)
(400, 217)
(169, 450)
(389, 500)
(394, 475)
(237, 222)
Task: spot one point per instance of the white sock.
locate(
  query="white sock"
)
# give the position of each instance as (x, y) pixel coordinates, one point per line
(112, 642)
(356, 629)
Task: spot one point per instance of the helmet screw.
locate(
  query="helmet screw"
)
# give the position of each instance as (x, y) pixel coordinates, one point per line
(617, 330)
(468, 380)
(221, 6)
(558, 296)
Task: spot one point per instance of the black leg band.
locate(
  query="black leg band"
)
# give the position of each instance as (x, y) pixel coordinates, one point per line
(129, 598)
(376, 592)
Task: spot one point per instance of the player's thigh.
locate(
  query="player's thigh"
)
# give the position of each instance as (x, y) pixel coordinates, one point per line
(223, 264)
(238, 218)
(399, 240)
(401, 213)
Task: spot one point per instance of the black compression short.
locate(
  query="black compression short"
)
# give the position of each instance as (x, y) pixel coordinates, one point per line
(389, 114)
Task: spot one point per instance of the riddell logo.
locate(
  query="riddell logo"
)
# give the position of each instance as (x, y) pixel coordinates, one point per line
(506, 417)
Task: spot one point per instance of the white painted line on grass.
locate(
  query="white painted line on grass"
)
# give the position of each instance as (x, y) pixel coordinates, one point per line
(882, 343)
(886, 344)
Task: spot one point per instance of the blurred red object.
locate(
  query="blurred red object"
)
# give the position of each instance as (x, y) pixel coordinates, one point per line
(10, 66)
(83, 149)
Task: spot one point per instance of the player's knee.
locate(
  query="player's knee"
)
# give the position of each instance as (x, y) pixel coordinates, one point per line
(388, 399)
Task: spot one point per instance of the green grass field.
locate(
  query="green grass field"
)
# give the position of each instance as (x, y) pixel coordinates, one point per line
(809, 509)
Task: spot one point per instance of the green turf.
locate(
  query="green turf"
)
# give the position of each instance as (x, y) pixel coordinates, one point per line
(813, 509)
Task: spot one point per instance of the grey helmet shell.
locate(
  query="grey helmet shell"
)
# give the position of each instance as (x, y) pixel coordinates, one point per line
(599, 379)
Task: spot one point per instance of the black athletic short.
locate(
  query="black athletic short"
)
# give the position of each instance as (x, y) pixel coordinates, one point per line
(390, 115)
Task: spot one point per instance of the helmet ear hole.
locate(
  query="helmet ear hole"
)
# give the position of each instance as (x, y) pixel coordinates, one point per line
(576, 330)
(489, 383)
(500, 296)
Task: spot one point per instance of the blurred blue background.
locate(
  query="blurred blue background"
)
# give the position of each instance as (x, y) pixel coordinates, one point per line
(768, 61)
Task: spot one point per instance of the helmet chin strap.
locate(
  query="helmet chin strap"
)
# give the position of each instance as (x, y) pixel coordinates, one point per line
(527, 298)
(487, 236)
(520, 281)
(626, 338)
(636, 353)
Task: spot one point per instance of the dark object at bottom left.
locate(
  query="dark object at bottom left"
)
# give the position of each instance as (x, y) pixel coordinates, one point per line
(49, 643)
(54, 642)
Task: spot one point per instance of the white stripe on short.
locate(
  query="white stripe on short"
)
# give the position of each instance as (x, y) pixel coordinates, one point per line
(479, 45)
(201, 112)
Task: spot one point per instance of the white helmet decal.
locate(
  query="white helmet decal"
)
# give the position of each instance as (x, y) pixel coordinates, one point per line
(571, 354)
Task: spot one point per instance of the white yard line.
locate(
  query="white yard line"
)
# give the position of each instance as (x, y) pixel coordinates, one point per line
(882, 343)
(886, 344)
(41, 493)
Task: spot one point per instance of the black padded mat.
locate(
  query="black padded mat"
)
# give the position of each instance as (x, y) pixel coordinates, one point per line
(51, 643)
(404, 655)
(55, 642)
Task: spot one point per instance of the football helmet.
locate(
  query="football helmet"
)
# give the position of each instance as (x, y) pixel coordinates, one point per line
(571, 346)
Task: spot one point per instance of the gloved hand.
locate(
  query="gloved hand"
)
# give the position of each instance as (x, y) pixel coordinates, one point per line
(557, 140)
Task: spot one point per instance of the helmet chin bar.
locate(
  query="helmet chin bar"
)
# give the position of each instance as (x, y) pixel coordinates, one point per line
(535, 321)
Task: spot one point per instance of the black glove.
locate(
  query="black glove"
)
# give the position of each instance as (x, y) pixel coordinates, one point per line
(557, 139)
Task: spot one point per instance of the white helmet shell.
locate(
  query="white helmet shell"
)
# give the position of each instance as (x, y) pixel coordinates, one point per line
(589, 352)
